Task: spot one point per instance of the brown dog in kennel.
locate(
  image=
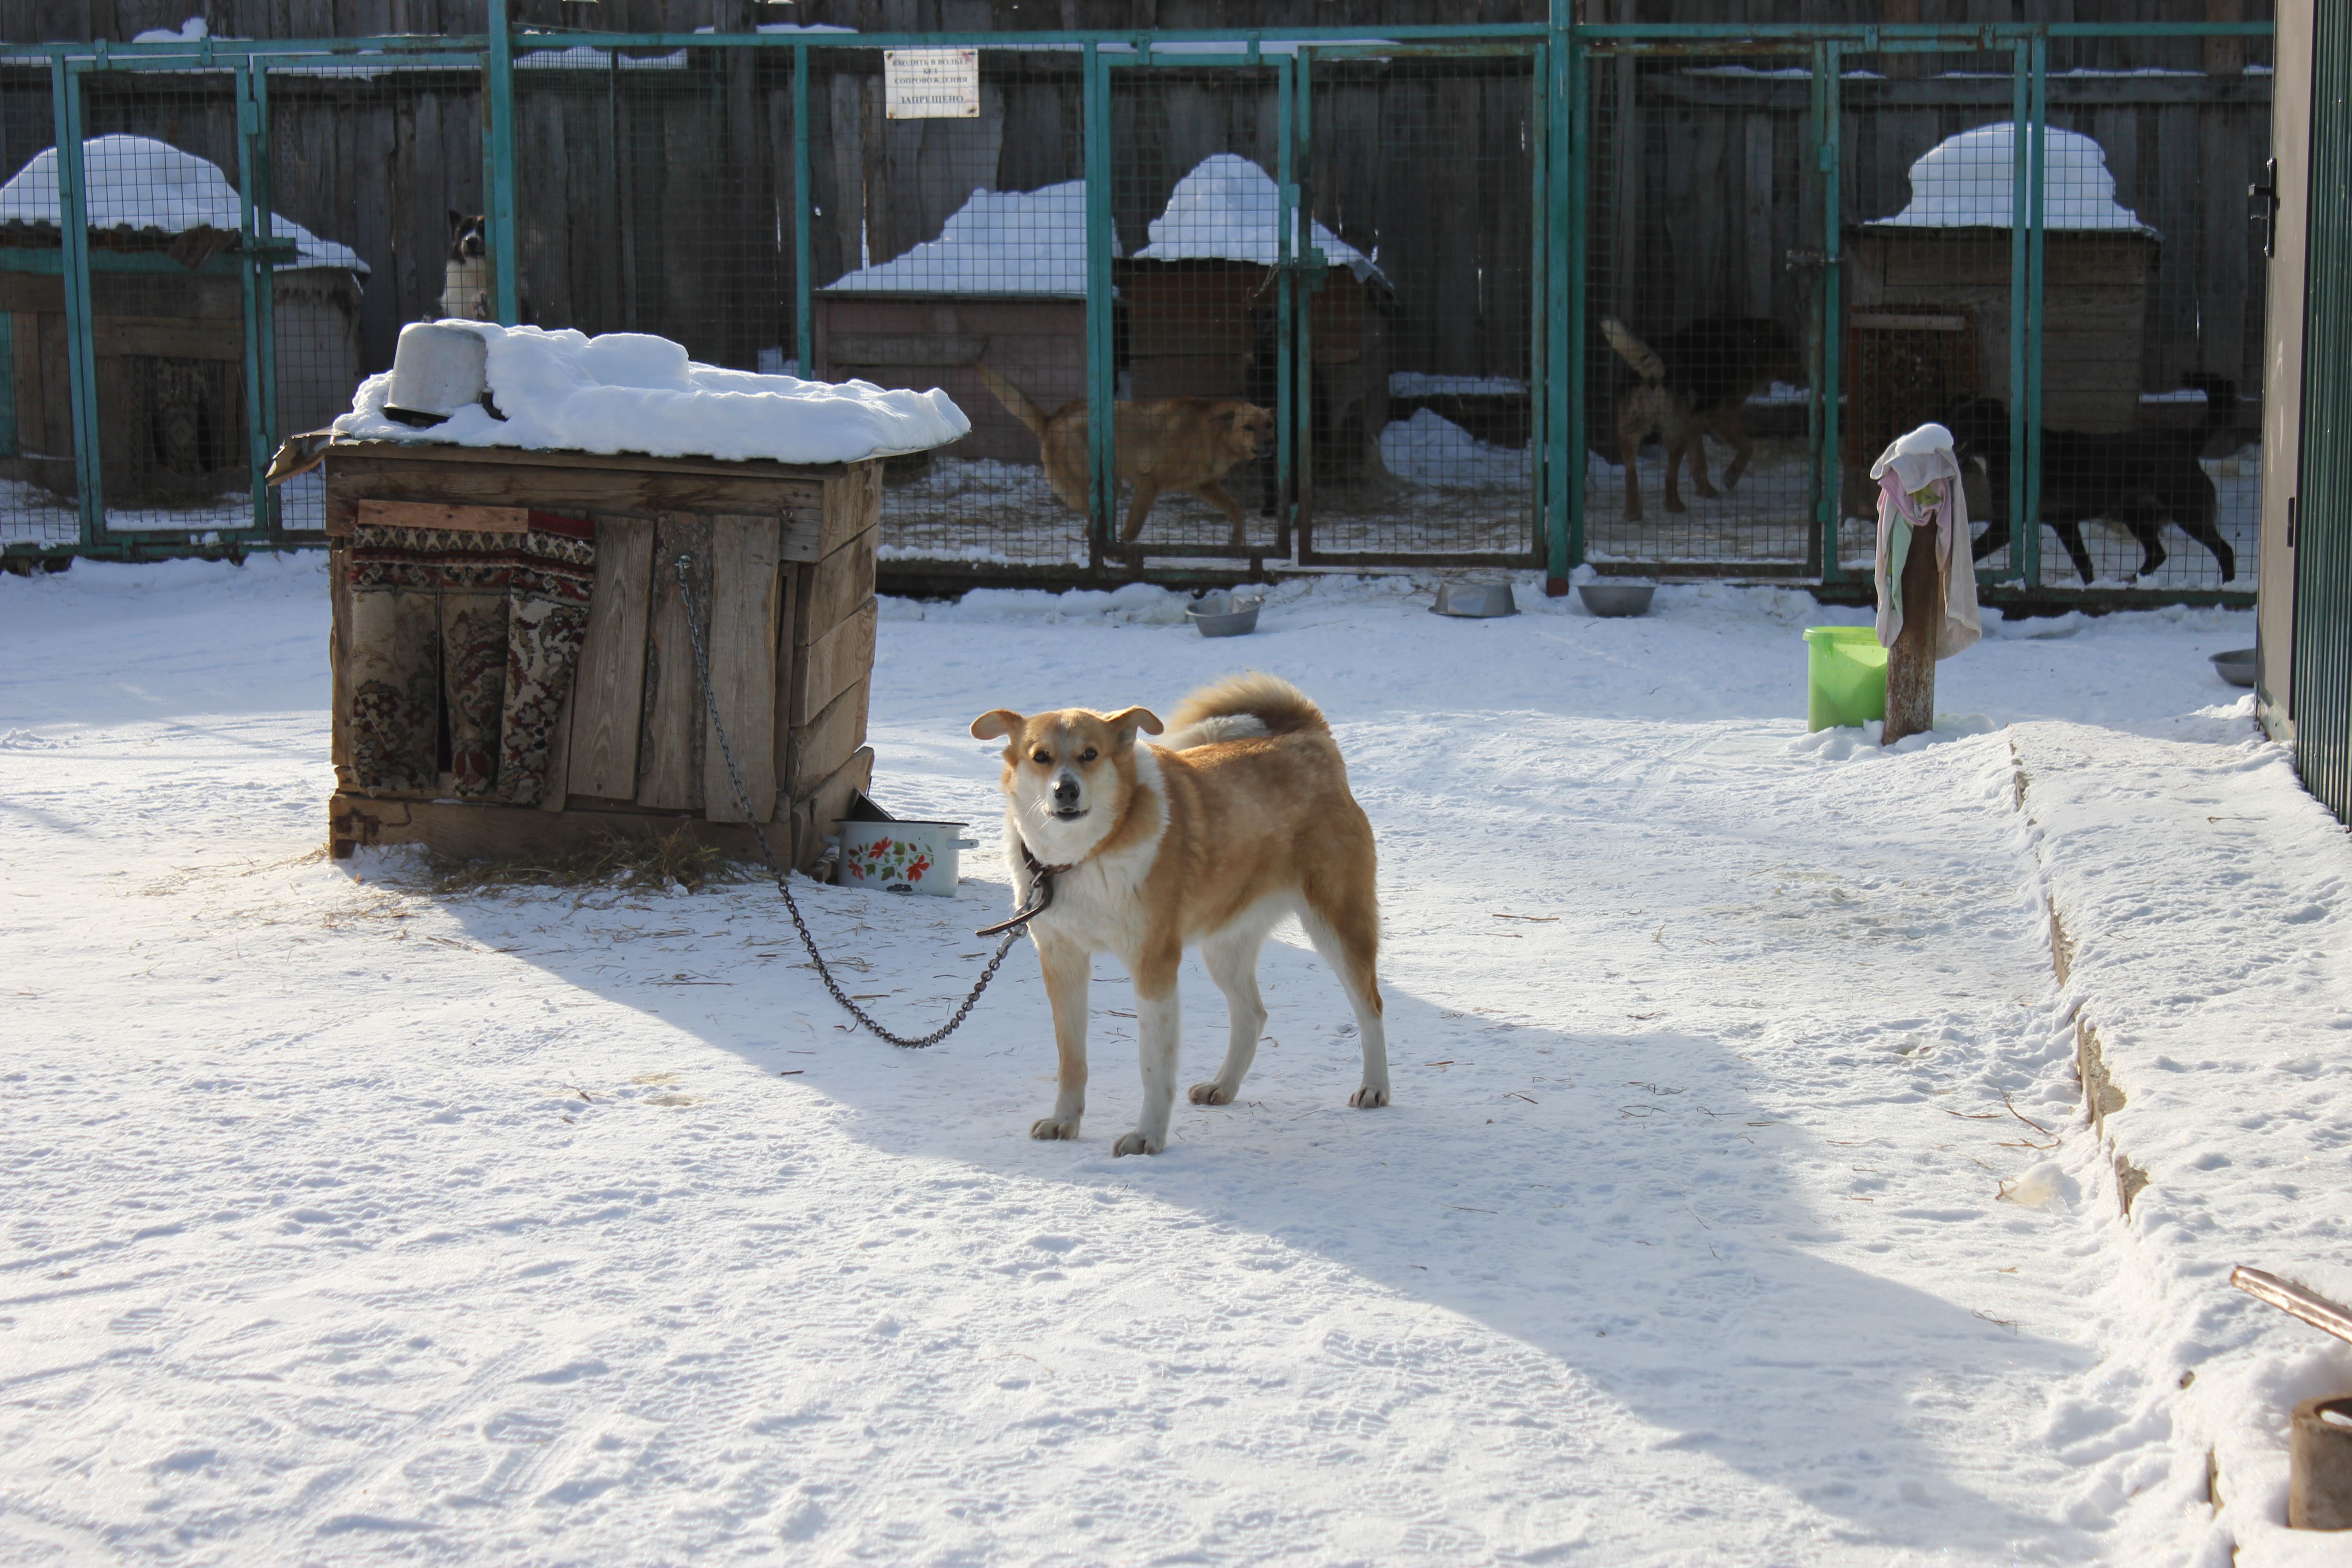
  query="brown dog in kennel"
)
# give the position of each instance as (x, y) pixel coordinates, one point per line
(1187, 444)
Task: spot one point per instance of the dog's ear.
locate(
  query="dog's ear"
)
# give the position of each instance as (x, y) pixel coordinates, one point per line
(1227, 415)
(995, 723)
(457, 220)
(1123, 725)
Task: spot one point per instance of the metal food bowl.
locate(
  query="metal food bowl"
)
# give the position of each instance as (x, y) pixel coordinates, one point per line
(435, 371)
(1476, 599)
(1223, 614)
(2236, 667)
(1616, 598)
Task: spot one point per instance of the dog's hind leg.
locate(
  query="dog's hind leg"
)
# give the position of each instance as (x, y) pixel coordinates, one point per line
(1728, 429)
(2200, 526)
(1348, 936)
(1694, 444)
(1629, 449)
(1068, 970)
(1232, 959)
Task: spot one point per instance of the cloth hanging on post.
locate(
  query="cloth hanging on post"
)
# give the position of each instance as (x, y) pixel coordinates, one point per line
(483, 628)
(1920, 485)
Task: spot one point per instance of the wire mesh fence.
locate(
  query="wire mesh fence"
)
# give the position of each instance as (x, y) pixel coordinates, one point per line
(1421, 370)
(1705, 275)
(1310, 284)
(954, 255)
(37, 507)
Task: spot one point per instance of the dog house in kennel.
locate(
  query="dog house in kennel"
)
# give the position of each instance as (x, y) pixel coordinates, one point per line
(1005, 282)
(169, 329)
(513, 665)
(1928, 292)
(1201, 318)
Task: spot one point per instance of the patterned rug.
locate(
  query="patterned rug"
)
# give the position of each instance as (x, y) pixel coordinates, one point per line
(484, 628)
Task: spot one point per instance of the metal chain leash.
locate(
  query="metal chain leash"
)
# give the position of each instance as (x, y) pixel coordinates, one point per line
(1011, 928)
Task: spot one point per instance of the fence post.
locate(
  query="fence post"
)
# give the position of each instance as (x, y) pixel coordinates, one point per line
(804, 293)
(1294, 422)
(82, 352)
(1575, 438)
(1101, 385)
(1565, 153)
(2029, 532)
(498, 165)
(265, 200)
(257, 279)
(2020, 112)
(1831, 514)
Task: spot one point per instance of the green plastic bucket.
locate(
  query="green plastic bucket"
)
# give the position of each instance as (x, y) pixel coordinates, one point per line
(1845, 676)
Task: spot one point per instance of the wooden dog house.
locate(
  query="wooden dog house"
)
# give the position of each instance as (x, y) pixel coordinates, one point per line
(1006, 279)
(171, 374)
(919, 341)
(782, 563)
(167, 264)
(1947, 255)
(1206, 328)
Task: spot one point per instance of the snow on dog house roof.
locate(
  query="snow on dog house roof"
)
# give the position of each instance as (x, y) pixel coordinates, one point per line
(631, 392)
(1226, 210)
(145, 186)
(999, 242)
(1966, 182)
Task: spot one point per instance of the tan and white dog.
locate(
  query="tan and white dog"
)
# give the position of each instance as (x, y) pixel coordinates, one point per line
(1242, 816)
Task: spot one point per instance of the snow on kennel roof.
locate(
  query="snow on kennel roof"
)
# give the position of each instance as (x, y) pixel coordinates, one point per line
(1226, 210)
(1965, 182)
(151, 187)
(630, 392)
(999, 242)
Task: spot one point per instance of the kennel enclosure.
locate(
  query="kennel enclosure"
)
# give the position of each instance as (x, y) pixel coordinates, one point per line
(1507, 185)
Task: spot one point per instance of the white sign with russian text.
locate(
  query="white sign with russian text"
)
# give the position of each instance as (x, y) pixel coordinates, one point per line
(931, 84)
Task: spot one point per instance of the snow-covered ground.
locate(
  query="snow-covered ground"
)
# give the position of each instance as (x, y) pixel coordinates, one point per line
(1737, 1204)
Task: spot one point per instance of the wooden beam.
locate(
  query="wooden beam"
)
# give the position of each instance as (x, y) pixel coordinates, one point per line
(670, 745)
(608, 687)
(573, 482)
(746, 624)
(438, 515)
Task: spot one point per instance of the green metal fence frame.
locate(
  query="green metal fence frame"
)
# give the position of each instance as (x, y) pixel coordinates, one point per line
(1562, 51)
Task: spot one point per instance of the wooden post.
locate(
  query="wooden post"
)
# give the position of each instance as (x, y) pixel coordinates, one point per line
(2319, 1465)
(1911, 662)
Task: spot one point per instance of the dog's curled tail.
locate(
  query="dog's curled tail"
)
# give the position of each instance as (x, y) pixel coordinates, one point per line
(1632, 350)
(1241, 705)
(1017, 402)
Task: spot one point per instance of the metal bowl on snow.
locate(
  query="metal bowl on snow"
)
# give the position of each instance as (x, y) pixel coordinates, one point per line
(2236, 667)
(1223, 614)
(1616, 598)
(1475, 601)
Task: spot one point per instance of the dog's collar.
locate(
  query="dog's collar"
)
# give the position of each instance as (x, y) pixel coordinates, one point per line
(1041, 892)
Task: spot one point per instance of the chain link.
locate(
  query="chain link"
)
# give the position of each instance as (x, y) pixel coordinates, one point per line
(784, 872)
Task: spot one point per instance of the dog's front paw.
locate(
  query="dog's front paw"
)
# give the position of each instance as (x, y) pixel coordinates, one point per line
(1137, 1144)
(1370, 1099)
(1054, 1127)
(1211, 1094)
